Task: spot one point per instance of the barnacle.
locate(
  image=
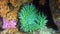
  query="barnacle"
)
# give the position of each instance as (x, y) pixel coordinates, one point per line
(15, 3)
(3, 9)
(30, 21)
(9, 24)
(11, 15)
(7, 9)
(18, 3)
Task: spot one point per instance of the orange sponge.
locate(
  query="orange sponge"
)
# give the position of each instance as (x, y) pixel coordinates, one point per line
(9, 8)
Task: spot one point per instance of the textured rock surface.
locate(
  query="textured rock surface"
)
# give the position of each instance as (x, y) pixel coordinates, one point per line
(54, 6)
(11, 31)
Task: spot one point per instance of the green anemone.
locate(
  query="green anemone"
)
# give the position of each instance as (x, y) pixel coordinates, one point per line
(29, 19)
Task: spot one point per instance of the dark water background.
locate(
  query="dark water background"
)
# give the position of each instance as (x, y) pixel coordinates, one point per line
(46, 9)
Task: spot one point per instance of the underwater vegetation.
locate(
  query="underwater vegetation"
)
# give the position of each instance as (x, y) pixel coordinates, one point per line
(30, 20)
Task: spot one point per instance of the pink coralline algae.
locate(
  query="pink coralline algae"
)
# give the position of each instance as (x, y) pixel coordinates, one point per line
(9, 24)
